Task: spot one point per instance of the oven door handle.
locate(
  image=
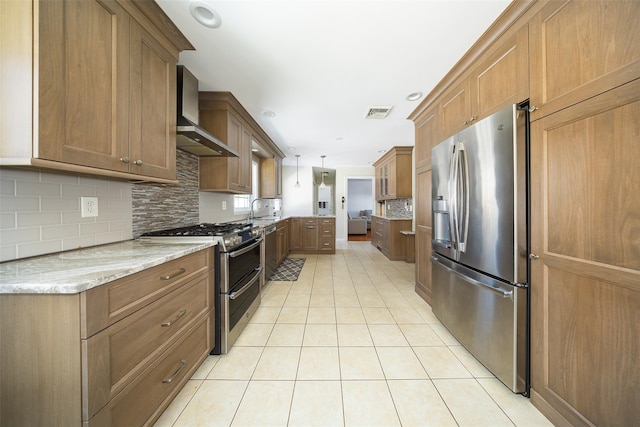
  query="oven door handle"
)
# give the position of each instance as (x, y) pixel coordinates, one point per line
(236, 294)
(245, 250)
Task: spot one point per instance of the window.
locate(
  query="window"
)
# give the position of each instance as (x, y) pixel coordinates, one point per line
(242, 202)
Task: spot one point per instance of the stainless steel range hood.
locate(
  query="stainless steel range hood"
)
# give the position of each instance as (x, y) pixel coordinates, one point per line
(191, 137)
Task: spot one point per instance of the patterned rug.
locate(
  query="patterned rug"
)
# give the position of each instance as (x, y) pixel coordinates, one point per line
(289, 269)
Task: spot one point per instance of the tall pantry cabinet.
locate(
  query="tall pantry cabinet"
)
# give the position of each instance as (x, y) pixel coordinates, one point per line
(580, 62)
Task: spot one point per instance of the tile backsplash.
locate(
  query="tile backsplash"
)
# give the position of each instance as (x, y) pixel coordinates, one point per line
(40, 212)
(399, 208)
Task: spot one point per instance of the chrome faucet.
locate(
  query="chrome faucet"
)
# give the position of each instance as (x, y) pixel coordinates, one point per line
(251, 215)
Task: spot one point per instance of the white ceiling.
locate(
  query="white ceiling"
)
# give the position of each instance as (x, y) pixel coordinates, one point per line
(321, 64)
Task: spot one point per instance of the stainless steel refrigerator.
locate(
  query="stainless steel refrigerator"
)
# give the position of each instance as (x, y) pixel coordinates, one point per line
(480, 242)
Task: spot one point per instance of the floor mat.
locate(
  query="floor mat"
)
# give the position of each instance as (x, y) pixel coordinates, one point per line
(288, 270)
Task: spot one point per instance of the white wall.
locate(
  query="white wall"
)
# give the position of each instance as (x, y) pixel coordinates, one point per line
(297, 201)
(40, 212)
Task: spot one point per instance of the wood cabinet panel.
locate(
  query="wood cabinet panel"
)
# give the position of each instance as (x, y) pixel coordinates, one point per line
(386, 237)
(271, 177)
(585, 285)
(313, 235)
(455, 111)
(580, 49)
(423, 233)
(393, 174)
(427, 136)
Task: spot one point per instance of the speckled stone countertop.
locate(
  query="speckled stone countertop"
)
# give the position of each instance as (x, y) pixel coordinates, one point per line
(76, 271)
(392, 218)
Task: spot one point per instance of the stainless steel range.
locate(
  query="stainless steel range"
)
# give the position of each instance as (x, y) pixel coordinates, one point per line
(237, 270)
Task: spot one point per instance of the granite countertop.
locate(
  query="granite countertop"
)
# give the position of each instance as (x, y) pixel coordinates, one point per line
(391, 218)
(76, 271)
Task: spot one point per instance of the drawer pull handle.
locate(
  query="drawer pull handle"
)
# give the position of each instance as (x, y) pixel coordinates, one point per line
(175, 319)
(172, 275)
(183, 363)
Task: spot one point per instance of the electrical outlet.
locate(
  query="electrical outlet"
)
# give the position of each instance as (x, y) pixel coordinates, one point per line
(89, 206)
(224, 205)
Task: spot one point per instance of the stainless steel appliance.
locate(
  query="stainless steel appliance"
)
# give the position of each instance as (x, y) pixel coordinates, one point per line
(270, 248)
(480, 242)
(238, 273)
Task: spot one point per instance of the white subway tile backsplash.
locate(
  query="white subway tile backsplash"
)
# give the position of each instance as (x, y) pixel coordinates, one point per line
(40, 212)
(31, 188)
(38, 219)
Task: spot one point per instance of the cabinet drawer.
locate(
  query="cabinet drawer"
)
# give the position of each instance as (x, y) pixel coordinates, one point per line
(114, 356)
(326, 244)
(104, 305)
(143, 401)
(327, 230)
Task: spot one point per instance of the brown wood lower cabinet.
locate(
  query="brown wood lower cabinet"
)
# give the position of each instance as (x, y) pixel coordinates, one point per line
(315, 235)
(386, 237)
(282, 242)
(116, 354)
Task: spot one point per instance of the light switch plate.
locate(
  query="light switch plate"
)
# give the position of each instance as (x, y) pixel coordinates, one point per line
(89, 206)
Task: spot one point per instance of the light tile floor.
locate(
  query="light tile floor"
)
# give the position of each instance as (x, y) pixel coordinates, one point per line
(349, 343)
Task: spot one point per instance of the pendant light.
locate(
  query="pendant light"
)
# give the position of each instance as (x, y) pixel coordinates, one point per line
(322, 184)
(297, 179)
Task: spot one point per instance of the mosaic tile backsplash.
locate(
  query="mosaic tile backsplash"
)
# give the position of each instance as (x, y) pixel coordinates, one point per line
(159, 206)
(399, 208)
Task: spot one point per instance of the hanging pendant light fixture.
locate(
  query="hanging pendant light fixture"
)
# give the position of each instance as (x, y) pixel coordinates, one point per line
(297, 177)
(322, 184)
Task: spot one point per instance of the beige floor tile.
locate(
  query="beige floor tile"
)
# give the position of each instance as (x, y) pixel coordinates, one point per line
(277, 363)
(353, 315)
(444, 334)
(471, 363)
(254, 334)
(354, 335)
(265, 315)
(378, 316)
(219, 411)
(300, 289)
(206, 367)
(322, 300)
(368, 404)
(319, 363)
(392, 300)
(297, 301)
(439, 362)
(359, 363)
(316, 403)
(293, 315)
(369, 299)
(387, 336)
(421, 335)
(347, 300)
(400, 363)
(406, 315)
(321, 315)
(426, 313)
(238, 364)
(173, 411)
(278, 288)
(470, 404)
(517, 407)
(320, 335)
(344, 288)
(419, 404)
(273, 300)
(265, 403)
(286, 334)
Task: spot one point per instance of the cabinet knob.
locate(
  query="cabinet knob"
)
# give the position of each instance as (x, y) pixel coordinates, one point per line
(124, 159)
(533, 257)
(138, 163)
(472, 118)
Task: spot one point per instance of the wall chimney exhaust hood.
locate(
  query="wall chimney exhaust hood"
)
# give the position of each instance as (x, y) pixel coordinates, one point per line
(191, 137)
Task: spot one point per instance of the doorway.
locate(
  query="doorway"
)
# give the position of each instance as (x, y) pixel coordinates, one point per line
(360, 203)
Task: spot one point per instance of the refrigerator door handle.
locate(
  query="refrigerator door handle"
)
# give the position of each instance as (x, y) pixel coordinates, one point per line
(453, 197)
(493, 287)
(463, 176)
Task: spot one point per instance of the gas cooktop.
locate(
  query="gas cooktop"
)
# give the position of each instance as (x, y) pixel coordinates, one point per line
(228, 235)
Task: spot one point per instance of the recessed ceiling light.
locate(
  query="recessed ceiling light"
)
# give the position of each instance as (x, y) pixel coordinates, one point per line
(268, 113)
(291, 148)
(339, 138)
(414, 96)
(204, 14)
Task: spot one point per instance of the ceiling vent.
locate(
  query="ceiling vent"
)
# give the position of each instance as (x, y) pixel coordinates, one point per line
(378, 112)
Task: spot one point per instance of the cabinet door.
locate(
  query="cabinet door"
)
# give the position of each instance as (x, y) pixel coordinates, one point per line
(585, 284)
(152, 141)
(502, 78)
(234, 140)
(455, 111)
(391, 178)
(427, 136)
(378, 183)
(423, 233)
(83, 83)
(309, 235)
(295, 236)
(244, 167)
(580, 49)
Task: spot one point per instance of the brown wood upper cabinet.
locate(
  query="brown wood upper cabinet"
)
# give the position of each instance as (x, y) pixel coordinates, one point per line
(105, 90)
(580, 49)
(220, 114)
(499, 79)
(393, 174)
(271, 177)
